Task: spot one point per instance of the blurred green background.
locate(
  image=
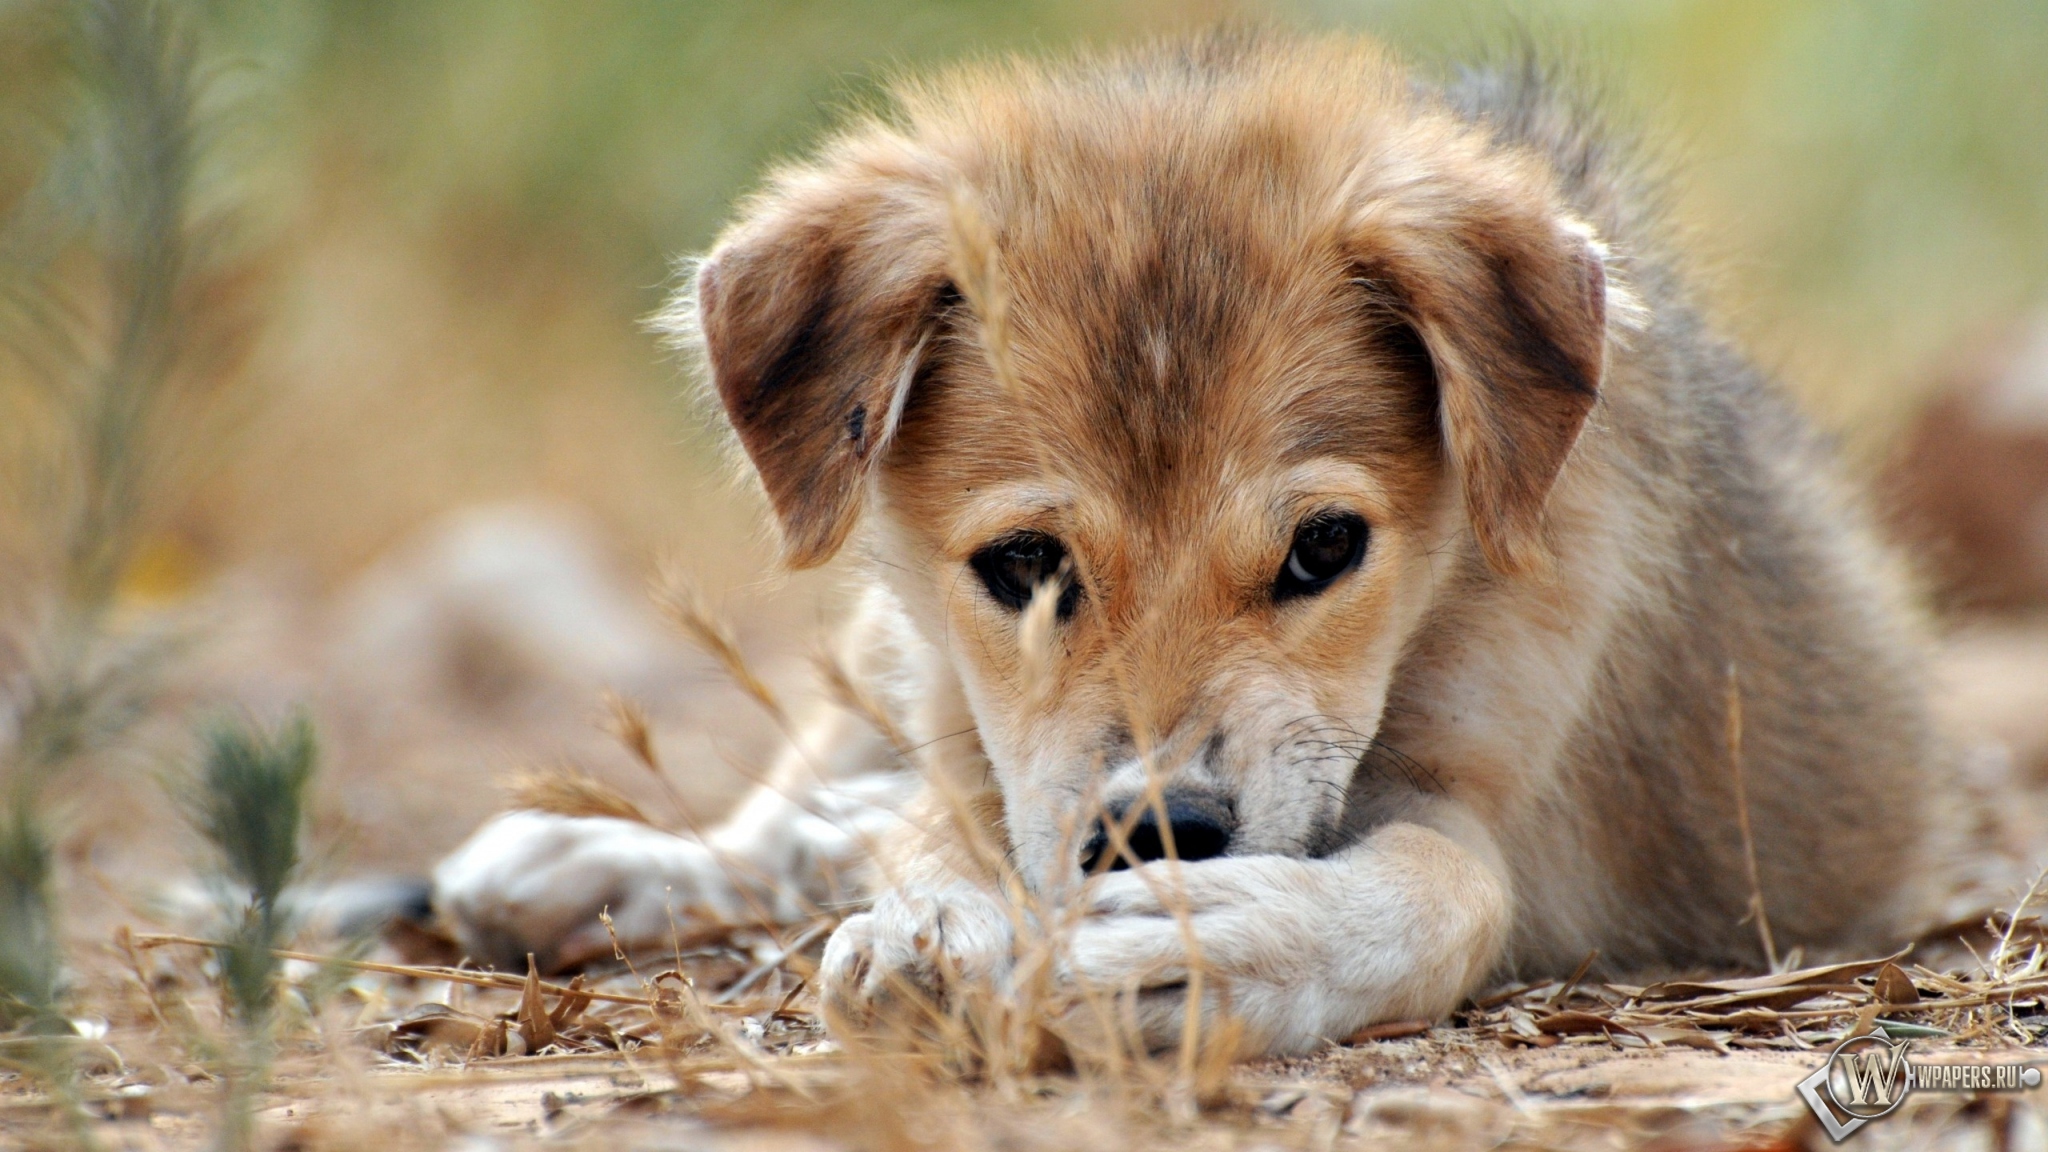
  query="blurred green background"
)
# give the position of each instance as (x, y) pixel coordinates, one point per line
(461, 209)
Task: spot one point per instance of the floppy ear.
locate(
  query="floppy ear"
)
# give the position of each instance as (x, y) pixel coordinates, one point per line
(813, 310)
(1509, 297)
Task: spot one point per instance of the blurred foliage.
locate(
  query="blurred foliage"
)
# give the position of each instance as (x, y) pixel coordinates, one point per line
(111, 290)
(1869, 178)
(105, 376)
(249, 800)
(29, 963)
(249, 803)
(1882, 156)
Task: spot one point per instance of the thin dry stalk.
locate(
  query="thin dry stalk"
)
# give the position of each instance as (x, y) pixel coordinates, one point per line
(565, 792)
(978, 271)
(1756, 891)
(683, 603)
(2000, 956)
(975, 261)
(1173, 894)
(854, 696)
(627, 722)
(735, 870)
(147, 941)
(1035, 638)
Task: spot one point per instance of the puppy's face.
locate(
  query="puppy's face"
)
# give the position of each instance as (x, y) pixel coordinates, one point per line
(1216, 466)
(1171, 412)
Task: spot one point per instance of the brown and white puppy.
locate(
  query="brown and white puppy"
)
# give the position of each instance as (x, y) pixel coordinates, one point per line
(1387, 503)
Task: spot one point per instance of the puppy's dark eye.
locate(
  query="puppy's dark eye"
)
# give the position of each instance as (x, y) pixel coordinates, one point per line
(1013, 567)
(1326, 546)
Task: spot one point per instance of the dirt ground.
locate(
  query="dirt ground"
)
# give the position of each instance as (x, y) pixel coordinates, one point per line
(395, 1062)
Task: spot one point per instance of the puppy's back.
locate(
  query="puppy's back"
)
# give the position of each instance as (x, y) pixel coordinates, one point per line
(1758, 573)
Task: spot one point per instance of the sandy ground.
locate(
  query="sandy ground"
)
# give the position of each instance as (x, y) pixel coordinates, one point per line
(775, 1082)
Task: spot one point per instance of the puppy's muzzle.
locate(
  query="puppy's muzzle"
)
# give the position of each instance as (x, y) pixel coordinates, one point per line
(1200, 824)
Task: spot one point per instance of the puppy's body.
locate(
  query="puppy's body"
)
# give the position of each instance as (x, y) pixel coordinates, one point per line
(1157, 324)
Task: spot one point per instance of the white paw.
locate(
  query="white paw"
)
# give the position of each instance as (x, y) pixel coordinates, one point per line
(1294, 951)
(535, 882)
(916, 944)
(1243, 923)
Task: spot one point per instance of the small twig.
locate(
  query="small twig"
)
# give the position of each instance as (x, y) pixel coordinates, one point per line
(1571, 985)
(759, 972)
(417, 972)
(1998, 961)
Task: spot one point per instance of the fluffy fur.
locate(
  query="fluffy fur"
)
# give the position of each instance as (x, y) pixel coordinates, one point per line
(1166, 305)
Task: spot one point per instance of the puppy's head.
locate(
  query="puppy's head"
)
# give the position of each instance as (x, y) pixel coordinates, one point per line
(1171, 388)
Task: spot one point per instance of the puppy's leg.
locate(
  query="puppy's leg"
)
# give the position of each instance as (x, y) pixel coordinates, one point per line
(1401, 925)
(535, 882)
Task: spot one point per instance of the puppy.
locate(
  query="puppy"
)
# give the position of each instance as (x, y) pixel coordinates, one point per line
(1262, 457)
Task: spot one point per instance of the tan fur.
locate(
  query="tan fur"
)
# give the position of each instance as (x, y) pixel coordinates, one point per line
(1243, 280)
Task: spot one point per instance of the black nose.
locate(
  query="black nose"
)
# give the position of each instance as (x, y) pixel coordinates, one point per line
(1201, 824)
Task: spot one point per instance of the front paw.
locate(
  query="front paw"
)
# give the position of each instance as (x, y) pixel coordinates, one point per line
(918, 946)
(1294, 951)
(534, 882)
(1265, 942)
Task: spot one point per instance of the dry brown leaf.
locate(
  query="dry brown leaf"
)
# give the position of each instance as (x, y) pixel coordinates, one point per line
(1766, 999)
(535, 1028)
(1830, 974)
(1390, 1030)
(1573, 1022)
(430, 1027)
(1895, 987)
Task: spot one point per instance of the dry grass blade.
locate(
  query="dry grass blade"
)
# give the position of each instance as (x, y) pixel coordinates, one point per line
(628, 723)
(2001, 957)
(1571, 984)
(781, 956)
(978, 271)
(854, 696)
(1821, 976)
(568, 793)
(683, 604)
(1035, 637)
